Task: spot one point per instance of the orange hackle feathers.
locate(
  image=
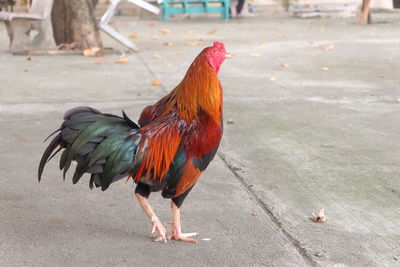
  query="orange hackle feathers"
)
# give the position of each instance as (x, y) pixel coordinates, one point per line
(200, 89)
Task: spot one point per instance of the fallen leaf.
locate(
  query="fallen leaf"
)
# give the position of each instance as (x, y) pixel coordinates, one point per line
(2, 198)
(165, 31)
(282, 35)
(100, 55)
(156, 56)
(98, 62)
(189, 32)
(212, 31)
(150, 25)
(320, 218)
(26, 70)
(325, 68)
(167, 44)
(57, 221)
(381, 75)
(253, 213)
(312, 54)
(179, 53)
(29, 58)
(155, 83)
(263, 41)
(311, 42)
(156, 37)
(255, 55)
(329, 47)
(285, 65)
(122, 61)
(133, 36)
(168, 65)
(194, 43)
(90, 52)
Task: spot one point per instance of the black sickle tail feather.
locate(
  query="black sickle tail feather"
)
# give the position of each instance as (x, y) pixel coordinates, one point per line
(103, 145)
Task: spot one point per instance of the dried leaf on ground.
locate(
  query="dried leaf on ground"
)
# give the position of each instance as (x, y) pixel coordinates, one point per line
(263, 41)
(98, 62)
(168, 64)
(255, 54)
(122, 61)
(156, 37)
(29, 59)
(179, 53)
(320, 218)
(195, 43)
(156, 56)
(155, 83)
(212, 31)
(167, 44)
(133, 36)
(329, 47)
(325, 68)
(150, 25)
(312, 54)
(285, 65)
(165, 31)
(189, 32)
(311, 42)
(90, 52)
(253, 213)
(57, 221)
(3, 198)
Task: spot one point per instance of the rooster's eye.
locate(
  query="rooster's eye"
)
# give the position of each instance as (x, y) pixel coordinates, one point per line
(214, 51)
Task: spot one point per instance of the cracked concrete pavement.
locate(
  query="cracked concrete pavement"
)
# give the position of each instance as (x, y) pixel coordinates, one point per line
(311, 120)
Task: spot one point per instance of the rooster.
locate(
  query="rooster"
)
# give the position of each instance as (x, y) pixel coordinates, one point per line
(172, 144)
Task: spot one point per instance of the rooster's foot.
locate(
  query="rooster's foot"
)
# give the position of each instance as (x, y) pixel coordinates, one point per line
(185, 237)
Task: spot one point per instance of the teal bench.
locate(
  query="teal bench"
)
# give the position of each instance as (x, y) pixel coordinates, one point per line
(170, 7)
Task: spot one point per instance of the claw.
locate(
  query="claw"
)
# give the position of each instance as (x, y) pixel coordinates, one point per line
(158, 228)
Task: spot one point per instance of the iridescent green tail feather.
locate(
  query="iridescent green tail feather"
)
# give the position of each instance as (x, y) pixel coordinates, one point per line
(103, 145)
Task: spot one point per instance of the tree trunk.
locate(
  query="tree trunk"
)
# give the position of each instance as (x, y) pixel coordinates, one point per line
(74, 22)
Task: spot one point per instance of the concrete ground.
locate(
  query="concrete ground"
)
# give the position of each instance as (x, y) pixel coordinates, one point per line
(311, 120)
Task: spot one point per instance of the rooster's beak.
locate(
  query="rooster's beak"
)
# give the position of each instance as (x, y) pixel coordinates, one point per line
(228, 55)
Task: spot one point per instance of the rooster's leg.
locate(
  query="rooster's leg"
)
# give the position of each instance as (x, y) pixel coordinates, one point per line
(176, 233)
(157, 227)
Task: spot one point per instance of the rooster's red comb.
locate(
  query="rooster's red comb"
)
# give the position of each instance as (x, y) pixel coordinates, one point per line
(219, 45)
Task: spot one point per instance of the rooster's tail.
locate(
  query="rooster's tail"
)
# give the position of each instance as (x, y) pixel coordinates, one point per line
(103, 145)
